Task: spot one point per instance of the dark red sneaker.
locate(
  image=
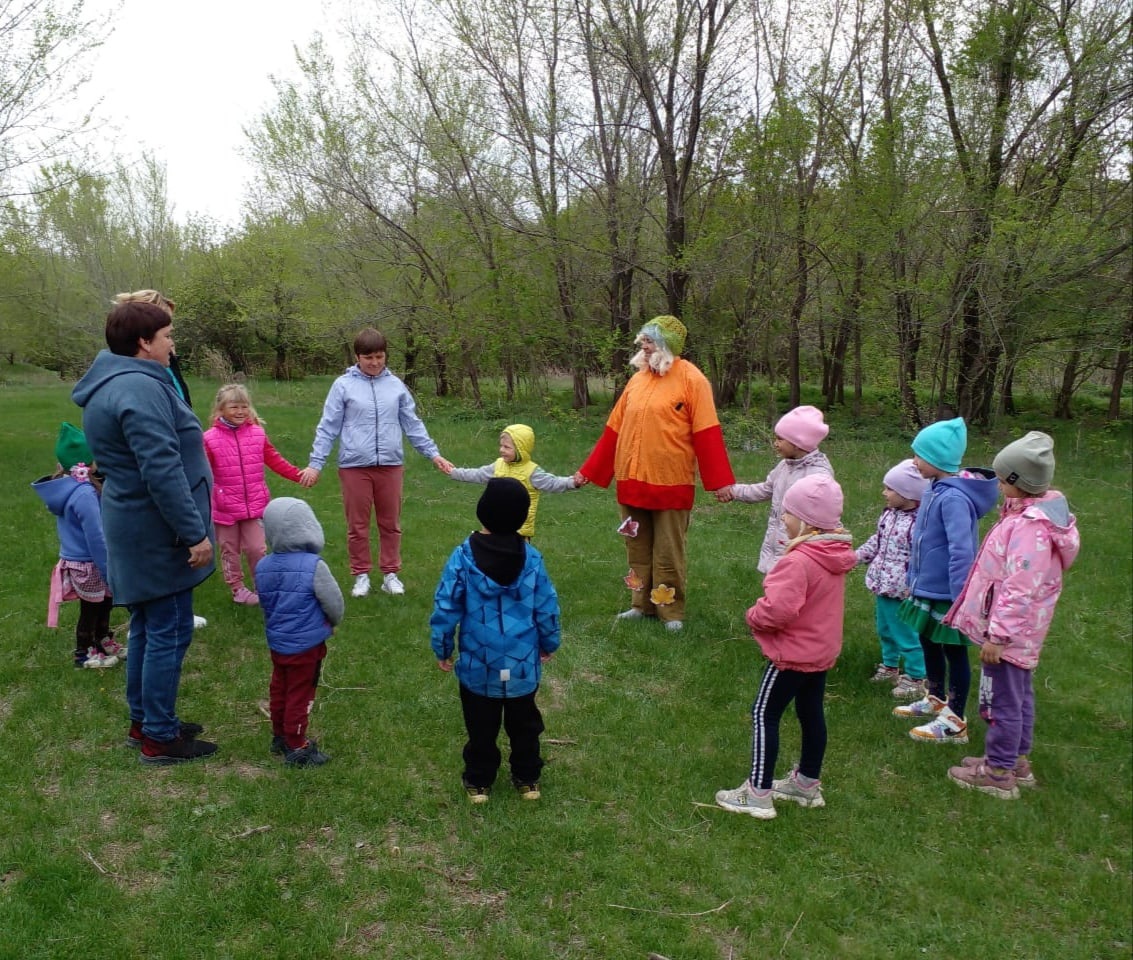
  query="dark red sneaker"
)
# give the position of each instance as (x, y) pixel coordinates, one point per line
(190, 731)
(180, 750)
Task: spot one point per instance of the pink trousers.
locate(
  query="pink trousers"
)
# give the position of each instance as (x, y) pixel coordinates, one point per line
(243, 538)
(367, 491)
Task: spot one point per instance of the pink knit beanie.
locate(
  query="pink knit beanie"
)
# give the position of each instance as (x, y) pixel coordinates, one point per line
(906, 480)
(816, 500)
(804, 427)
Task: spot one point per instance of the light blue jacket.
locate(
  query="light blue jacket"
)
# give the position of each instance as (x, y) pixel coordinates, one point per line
(367, 416)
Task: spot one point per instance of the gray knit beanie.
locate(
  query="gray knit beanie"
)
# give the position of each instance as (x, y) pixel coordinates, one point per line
(1027, 463)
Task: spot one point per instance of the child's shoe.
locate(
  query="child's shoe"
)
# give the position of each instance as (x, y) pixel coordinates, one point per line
(476, 794)
(199, 622)
(884, 674)
(189, 731)
(308, 755)
(94, 659)
(906, 688)
(245, 596)
(927, 706)
(180, 750)
(1024, 775)
(112, 648)
(947, 727)
(527, 791)
(631, 614)
(979, 777)
(744, 800)
(789, 788)
(278, 744)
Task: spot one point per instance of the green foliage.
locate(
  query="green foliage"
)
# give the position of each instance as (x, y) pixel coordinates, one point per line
(379, 853)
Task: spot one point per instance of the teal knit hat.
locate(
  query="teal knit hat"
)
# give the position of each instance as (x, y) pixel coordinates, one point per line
(942, 444)
(71, 447)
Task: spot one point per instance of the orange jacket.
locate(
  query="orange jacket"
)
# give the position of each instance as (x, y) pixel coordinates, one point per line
(661, 429)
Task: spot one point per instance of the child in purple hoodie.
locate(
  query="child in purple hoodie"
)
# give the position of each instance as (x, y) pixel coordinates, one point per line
(945, 537)
(1006, 608)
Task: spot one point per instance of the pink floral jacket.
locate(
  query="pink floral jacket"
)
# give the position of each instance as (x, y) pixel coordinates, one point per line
(1013, 587)
(887, 553)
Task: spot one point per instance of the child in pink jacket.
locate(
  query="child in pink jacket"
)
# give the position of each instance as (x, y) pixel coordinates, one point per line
(238, 449)
(797, 436)
(798, 626)
(1006, 608)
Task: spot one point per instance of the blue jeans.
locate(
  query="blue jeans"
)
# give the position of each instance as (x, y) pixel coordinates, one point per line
(160, 633)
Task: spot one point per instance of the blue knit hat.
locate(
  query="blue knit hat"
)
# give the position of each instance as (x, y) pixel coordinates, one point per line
(942, 444)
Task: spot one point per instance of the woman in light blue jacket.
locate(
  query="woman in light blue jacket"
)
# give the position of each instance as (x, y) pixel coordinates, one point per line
(367, 411)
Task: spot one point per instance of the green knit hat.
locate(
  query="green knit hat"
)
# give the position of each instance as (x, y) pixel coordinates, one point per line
(71, 447)
(669, 330)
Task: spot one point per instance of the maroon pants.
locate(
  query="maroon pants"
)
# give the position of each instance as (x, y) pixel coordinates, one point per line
(294, 677)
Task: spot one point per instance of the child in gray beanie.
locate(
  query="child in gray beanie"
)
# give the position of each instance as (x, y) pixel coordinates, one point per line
(1006, 608)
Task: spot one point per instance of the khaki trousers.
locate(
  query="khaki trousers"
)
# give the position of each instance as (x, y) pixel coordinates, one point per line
(658, 556)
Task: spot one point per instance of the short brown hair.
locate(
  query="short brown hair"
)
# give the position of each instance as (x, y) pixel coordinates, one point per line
(370, 341)
(132, 321)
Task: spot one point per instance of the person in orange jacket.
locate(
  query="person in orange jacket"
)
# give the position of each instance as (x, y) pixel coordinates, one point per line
(662, 429)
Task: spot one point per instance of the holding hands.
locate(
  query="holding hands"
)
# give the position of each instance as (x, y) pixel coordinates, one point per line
(445, 466)
(723, 495)
(308, 477)
(579, 480)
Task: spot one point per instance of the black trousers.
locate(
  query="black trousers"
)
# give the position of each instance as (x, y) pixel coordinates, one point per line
(776, 690)
(523, 723)
(94, 623)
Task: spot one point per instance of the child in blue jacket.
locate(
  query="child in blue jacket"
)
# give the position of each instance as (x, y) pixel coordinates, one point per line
(945, 538)
(496, 592)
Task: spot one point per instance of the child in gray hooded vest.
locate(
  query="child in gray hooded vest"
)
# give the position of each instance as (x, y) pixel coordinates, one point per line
(302, 604)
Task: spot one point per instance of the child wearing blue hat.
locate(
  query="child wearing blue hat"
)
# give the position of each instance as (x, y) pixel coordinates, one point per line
(945, 537)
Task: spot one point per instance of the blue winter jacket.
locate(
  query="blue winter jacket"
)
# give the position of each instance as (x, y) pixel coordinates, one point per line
(368, 415)
(503, 629)
(946, 532)
(78, 520)
(155, 499)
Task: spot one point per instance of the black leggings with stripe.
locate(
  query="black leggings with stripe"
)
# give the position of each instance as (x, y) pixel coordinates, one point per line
(776, 690)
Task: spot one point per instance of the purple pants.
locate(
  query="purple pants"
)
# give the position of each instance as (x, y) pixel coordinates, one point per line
(1007, 703)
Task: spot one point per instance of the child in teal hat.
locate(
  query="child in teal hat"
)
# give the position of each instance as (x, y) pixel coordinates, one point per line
(945, 537)
(72, 494)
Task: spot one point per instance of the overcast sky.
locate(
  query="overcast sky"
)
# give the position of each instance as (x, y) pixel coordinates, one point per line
(216, 58)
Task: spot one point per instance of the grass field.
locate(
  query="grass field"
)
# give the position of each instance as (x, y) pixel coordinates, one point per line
(379, 853)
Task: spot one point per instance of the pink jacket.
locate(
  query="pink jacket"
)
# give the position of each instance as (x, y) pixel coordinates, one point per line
(1013, 587)
(238, 456)
(798, 620)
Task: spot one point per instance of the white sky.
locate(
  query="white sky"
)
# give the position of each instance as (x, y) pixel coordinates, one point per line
(216, 58)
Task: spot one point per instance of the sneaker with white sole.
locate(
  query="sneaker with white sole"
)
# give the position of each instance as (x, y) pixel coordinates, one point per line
(947, 727)
(906, 688)
(94, 659)
(1024, 775)
(245, 596)
(928, 706)
(979, 777)
(112, 648)
(631, 614)
(392, 585)
(744, 800)
(674, 625)
(884, 674)
(789, 788)
(199, 622)
(361, 585)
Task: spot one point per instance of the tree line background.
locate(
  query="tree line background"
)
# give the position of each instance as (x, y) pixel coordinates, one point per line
(928, 198)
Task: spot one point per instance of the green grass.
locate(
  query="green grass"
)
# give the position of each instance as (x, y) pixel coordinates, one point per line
(379, 854)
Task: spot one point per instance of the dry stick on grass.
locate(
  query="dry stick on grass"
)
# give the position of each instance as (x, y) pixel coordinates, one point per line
(561, 743)
(668, 913)
(790, 934)
(98, 866)
(251, 831)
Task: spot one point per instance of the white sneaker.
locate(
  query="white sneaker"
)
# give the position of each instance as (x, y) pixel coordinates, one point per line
(743, 800)
(361, 585)
(674, 625)
(631, 614)
(199, 622)
(392, 585)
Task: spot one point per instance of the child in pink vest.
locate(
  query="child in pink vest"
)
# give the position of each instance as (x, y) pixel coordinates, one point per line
(1006, 608)
(238, 449)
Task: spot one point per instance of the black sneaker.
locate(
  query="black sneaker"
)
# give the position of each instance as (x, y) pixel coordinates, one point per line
(181, 750)
(308, 755)
(278, 744)
(527, 791)
(190, 731)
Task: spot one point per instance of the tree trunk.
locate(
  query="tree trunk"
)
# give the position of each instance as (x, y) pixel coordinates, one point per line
(1062, 400)
(1120, 368)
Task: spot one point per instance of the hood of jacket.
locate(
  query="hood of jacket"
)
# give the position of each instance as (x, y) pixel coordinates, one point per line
(107, 366)
(831, 551)
(978, 484)
(55, 492)
(1052, 509)
(290, 526)
(524, 439)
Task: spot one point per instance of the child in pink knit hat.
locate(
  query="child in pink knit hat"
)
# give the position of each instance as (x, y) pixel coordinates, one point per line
(797, 436)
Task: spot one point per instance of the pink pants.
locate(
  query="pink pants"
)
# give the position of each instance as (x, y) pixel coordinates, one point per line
(245, 537)
(367, 490)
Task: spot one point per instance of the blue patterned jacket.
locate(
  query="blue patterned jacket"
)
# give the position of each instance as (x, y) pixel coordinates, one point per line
(502, 629)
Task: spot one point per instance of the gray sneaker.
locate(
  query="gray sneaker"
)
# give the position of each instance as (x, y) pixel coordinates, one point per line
(906, 688)
(789, 788)
(744, 800)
